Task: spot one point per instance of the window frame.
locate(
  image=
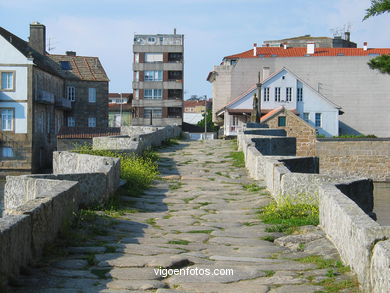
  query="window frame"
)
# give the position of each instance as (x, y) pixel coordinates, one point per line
(153, 96)
(153, 75)
(71, 93)
(277, 94)
(320, 120)
(153, 53)
(69, 119)
(153, 110)
(288, 94)
(91, 119)
(280, 119)
(12, 128)
(13, 72)
(92, 98)
(300, 94)
(266, 94)
(307, 119)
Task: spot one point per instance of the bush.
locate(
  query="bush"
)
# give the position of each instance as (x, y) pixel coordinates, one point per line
(138, 170)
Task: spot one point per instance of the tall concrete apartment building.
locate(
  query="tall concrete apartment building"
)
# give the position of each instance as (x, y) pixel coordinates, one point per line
(158, 80)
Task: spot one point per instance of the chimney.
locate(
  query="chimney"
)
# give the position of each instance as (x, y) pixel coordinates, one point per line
(255, 49)
(70, 53)
(310, 48)
(365, 46)
(347, 36)
(265, 73)
(37, 39)
(174, 31)
(285, 46)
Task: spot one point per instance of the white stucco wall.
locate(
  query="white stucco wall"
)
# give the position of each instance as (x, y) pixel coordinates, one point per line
(20, 76)
(346, 80)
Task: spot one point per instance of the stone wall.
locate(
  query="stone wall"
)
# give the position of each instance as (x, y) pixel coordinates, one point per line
(136, 138)
(304, 133)
(345, 206)
(68, 144)
(368, 157)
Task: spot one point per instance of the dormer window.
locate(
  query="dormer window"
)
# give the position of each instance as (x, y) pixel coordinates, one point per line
(65, 65)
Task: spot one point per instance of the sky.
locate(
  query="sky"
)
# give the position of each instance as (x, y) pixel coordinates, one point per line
(212, 28)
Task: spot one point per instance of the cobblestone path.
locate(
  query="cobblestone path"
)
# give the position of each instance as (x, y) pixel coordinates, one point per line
(198, 216)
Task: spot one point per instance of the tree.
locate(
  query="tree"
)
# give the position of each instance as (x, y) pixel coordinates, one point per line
(377, 7)
(381, 63)
(210, 124)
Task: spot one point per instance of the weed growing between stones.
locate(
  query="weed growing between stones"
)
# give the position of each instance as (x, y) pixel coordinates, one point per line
(179, 242)
(238, 159)
(138, 170)
(252, 187)
(289, 213)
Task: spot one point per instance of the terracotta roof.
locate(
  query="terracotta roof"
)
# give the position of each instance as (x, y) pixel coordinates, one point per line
(271, 113)
(82, 67)
(113, 107)
(87, 132)
(193, 103)
(302, 51)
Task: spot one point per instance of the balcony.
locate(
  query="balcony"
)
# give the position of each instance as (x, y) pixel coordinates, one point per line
(63, 104)
(44, 97)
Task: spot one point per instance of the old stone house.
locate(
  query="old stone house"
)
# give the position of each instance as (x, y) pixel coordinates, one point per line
(294, 126)
(35, 101)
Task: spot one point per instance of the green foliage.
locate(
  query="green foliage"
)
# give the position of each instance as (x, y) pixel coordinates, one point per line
(377, 7)
(209, 119)
(381, 63)
(238, 159)
(138, 171)
(252, 187)
(289, 214)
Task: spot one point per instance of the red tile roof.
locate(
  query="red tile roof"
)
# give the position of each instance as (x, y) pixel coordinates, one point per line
(87, 132)
(118, 95)
(302, 51)
(113, 107)
(188, 104)
(271, 113)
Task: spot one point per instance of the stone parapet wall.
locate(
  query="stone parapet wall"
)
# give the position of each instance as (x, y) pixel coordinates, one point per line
(345, 205)
(367, 157)
(37, 207)
(358, 238)
(136, 138)
(26, 230)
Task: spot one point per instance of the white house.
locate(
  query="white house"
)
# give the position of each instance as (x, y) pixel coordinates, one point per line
(284, 88)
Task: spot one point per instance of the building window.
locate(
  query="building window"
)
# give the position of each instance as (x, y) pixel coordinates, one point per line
(7, 81)
(91, 122)
(7, 118)
(155, 94)
(153, 76)
(136, 76)
(6, 152)
(288, 94)
(175, 112)
(266, 94)
(318, 121)
(175, 57)
(153, 57)
(155, 112)
(71, 122)
(65, 65)
(277, 94)
(299, 94)
(92, 95)
(136, 58)
(306, 117)
(71, 93)
(175, 75)
(136, 94)
(282, 121)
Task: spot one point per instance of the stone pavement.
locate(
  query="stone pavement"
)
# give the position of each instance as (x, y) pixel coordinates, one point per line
(198, 218)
